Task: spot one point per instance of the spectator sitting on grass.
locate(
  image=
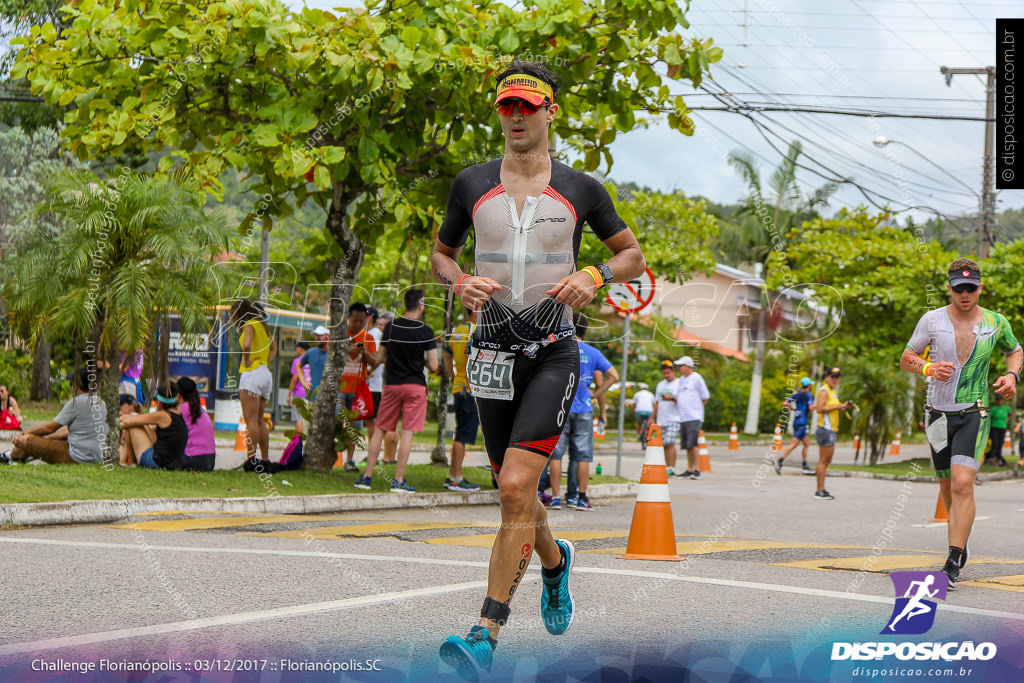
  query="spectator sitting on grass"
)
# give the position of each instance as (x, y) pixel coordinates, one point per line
(10, 415)
(128, 406)
(163, 447)
(201, 450)
(76, 435)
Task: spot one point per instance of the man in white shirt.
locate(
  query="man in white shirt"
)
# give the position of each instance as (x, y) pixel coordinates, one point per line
(691, 397)
(666, 412)
(642, 412)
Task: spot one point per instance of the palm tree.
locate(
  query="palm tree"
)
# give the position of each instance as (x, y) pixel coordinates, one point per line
(139, 247)
(757, 230)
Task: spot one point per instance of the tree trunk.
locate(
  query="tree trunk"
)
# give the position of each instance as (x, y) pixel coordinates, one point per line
(438, 456)
(320, 452)
(754, 401)
(160, 374)
(40, 390)
(108, 391)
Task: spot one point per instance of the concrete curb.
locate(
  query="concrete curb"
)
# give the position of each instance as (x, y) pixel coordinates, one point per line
(987, 476)
(104, 511)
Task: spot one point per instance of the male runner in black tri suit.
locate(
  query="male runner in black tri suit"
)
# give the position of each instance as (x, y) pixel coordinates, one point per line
(527, 213)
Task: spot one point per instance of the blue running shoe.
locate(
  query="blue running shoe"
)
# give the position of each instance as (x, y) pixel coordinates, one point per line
(556, 605)
(402, 487)
(471, 656)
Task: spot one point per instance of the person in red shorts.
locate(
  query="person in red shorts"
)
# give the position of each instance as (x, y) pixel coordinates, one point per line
(407, 344)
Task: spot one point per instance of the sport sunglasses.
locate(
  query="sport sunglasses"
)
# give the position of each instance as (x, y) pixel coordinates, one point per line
(970, 289)
(507, 107)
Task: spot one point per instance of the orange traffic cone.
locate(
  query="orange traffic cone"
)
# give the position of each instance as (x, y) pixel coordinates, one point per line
(856, 442)
(777, 439)
(703, 462)
(340, 462)
(242, 437)
(1008, 442)
(152, 406)
(734, 438)
(598, 429)
(941, 515)
(895, 450)
(651, 535)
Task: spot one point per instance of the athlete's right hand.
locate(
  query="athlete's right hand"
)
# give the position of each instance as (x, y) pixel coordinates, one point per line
(943, 370)
(475, 290)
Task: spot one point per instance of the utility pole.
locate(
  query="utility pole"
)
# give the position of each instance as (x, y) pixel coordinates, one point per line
(986, 229)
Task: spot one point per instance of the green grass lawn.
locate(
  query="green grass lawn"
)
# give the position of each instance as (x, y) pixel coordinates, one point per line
(43, 483)
(903, 467)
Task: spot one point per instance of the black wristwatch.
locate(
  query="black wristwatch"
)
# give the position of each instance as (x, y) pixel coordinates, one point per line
(1015, 376)
(606, 273)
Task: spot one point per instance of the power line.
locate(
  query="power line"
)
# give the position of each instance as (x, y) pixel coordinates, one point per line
(839, 112)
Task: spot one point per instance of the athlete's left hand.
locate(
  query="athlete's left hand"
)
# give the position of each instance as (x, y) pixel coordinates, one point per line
(1005, 386)
(576, 290)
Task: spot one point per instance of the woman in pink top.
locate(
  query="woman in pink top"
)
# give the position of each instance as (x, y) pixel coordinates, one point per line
(301, 378)
(200, 449)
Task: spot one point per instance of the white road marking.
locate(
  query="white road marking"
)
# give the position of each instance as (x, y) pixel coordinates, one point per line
(231, 619)
(299, 610)
(935, 524)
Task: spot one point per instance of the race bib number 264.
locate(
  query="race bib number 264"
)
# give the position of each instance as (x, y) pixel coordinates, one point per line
(490, 373)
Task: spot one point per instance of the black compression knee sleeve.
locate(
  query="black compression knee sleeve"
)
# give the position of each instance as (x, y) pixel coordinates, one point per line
(495, 611)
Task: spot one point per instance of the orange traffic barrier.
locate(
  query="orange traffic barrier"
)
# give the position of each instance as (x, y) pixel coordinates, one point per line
(856, 442)
(241, 437)
(340, 462)
(652, 535)
(941, 515)
(703, 462)
(1008, 442)
(734, 438)
(895, 450)
(777, 439)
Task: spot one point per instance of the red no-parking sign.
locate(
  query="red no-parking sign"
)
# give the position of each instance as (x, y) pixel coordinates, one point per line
(633, 296)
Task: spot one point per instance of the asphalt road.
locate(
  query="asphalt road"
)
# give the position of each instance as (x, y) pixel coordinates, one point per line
(771, 581)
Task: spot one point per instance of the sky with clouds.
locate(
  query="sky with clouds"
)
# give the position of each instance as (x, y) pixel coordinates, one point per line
(864, 55)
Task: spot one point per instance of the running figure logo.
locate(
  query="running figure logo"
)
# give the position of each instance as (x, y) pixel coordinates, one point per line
(912, 613)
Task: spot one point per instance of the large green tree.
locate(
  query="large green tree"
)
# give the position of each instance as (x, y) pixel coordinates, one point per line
(134, 249)
(27, 161)
(876, 281)
(756, 236)
(381, 106)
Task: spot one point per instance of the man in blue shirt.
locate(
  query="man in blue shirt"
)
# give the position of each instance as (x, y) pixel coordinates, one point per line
(799, 404)
(578, 433)
(315, 358)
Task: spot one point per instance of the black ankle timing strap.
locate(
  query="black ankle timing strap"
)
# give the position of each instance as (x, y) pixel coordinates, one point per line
(495, 611)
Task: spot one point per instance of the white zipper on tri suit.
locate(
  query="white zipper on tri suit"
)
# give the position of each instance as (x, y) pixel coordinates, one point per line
(519, 245)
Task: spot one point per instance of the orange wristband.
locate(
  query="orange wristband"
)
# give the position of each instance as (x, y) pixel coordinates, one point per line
(596, 274)
(926, 370)
(459, 283)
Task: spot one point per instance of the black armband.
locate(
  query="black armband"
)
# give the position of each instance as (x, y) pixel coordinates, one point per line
(495, 611)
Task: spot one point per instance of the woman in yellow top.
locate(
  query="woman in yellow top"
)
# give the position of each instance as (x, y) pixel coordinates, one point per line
(828, 407)
(255, 382)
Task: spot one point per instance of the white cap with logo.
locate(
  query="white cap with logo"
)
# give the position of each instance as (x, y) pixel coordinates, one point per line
(320, 329)
(685, 360)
